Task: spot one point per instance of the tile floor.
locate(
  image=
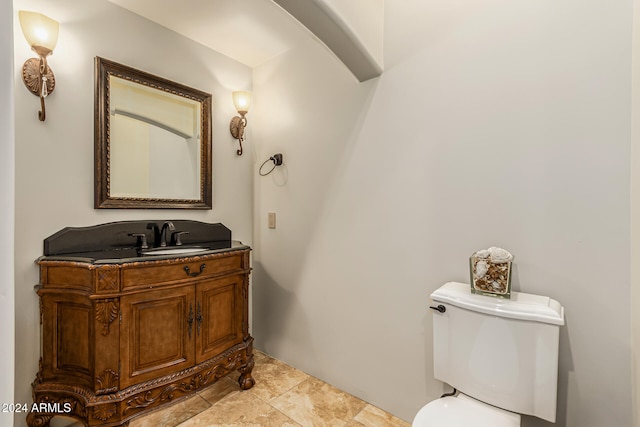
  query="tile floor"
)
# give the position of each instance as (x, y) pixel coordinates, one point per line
(282, 397)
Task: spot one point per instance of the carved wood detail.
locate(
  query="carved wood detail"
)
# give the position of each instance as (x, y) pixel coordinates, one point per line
(108, 382)
(52, 404)
(192, 258)
(104, 412)
(105, 70)
(108, 279)
(246, 381)
(118, 408)
(196, 382)
(106, 312)
(36, 419)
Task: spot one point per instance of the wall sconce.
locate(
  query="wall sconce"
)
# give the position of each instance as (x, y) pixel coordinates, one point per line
(242, 101)
(41, 33)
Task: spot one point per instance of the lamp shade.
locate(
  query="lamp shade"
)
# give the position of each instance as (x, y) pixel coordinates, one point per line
(40, 31)
(242, 101)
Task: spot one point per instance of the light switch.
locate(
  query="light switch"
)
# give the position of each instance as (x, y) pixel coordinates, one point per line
(272, 219)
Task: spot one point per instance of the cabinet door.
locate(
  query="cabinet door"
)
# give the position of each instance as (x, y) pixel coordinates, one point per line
(219, 314)
(66, 337)
(157, 336)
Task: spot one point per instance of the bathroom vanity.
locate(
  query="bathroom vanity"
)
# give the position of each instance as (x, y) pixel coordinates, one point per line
(126, 329)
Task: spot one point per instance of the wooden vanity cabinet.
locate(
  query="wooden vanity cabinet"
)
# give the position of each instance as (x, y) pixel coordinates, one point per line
(119, 340)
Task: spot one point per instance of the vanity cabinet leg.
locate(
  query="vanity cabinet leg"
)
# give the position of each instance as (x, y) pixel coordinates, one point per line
(35, 419)
(246, 381)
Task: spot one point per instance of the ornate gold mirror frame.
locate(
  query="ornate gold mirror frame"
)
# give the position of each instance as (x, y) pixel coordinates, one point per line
(152, 141)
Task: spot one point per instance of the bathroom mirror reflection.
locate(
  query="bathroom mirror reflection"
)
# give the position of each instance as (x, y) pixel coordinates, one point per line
(153, 141)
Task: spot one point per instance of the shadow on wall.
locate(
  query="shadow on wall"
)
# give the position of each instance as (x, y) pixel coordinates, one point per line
(427, 323)
(274, 306)
(566, 361)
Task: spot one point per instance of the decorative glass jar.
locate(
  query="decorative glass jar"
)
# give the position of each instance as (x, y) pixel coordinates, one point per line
(490, 271)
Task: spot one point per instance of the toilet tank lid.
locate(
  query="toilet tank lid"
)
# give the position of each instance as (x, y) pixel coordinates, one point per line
(521, 306)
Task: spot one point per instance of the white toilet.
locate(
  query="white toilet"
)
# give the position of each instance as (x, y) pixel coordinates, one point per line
(501, 355)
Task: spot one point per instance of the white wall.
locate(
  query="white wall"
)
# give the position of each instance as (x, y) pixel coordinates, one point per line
(54, 159)
(495, 123)
(635, 209)
(7, 198)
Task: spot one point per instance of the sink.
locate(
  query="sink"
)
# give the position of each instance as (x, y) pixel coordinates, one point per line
(174, 251)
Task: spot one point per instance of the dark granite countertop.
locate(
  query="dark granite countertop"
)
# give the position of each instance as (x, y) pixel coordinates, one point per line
(115, 243)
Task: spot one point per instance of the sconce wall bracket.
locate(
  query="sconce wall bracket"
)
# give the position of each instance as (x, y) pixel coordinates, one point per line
(236, 127)
(35, 73)
(33, 79)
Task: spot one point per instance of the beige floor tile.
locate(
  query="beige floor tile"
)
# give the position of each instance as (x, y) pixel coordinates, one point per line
(65, 422)
(374, 416)
(222, 388)
(314, 403)
(282, 397)
(259, 356)
(274, 377)
(173, 415)
(240, 409)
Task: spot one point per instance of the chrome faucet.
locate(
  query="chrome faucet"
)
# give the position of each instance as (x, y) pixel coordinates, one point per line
(163, 232)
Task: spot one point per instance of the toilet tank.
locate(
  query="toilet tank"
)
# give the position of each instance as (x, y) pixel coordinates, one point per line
(500, 351)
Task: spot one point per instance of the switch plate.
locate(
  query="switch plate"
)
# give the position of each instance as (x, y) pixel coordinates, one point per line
(271, 219)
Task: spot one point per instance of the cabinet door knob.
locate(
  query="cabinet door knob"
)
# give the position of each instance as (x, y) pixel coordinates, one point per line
(195, 273)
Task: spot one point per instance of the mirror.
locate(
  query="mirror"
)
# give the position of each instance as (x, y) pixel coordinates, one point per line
(152, 141)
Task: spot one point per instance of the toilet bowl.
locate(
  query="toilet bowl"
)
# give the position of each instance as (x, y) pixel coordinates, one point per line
(463, 411)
